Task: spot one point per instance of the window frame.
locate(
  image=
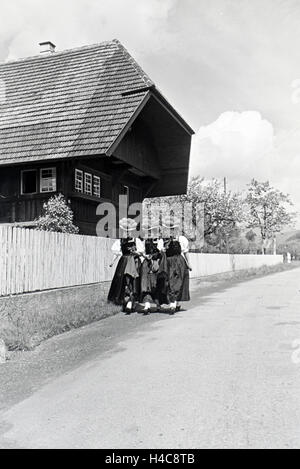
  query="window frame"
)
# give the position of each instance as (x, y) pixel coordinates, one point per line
(86, 183)
(98, 195)
(36, 180)
(80, 171)
(90, 182)
(52, 168)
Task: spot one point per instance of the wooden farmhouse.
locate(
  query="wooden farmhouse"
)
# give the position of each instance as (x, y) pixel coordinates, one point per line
(90, 124)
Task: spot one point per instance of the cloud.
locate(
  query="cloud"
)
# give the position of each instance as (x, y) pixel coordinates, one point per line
(241, 146)
(237, 145)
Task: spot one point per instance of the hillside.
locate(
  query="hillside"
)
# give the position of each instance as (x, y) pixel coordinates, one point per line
(290, 235)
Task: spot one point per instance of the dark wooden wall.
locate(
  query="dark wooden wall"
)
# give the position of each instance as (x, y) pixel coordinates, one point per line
(15, 207)
(138, 149)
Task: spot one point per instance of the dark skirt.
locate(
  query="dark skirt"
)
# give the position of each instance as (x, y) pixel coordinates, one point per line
(178, 278)
(148, 280)
(125, 285)
(162, 282)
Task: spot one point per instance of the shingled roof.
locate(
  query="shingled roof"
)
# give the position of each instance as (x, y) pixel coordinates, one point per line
(70, 104)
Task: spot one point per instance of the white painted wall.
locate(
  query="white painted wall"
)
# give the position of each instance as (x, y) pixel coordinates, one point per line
(210, 264)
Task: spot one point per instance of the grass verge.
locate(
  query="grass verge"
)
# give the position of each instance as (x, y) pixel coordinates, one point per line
(245, 274)
(27, 320)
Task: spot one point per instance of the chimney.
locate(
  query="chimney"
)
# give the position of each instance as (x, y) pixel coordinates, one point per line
(47, 47)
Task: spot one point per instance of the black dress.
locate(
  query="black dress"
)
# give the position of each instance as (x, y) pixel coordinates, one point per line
(178, 272)
(125, 283)
(149, 272)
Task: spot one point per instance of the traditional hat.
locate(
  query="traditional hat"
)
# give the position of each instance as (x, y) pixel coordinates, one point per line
(170, 221)
(127, 224)
(151, 227)
(150, 223)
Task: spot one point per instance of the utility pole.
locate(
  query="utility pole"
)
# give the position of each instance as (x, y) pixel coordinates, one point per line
(226, 234)
(274, 245)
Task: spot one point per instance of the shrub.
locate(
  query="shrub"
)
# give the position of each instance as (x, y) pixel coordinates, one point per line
(57, 216)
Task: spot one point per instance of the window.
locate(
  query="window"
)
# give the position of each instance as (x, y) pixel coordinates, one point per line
(78, 180)
(97, 186)
(88, 183)
(48, 180)
(29, 181)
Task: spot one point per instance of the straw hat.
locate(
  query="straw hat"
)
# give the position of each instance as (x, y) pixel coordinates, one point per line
(127, 224)
(170, 221)
(150, 224)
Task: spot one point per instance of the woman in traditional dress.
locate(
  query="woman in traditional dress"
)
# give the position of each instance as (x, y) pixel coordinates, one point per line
(125, 286)
(176, 265)
(148, 276)
(149, 268)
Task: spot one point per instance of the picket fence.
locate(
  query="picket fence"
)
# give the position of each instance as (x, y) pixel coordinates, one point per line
(33, 260)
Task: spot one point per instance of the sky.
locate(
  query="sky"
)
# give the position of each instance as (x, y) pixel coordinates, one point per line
(230, 67)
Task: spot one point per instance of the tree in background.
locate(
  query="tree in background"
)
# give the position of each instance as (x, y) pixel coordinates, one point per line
(57, 216)
(267, 210)
(228, 215)
(292, 246)
(222, 211)
(253, 245)
(250, 236)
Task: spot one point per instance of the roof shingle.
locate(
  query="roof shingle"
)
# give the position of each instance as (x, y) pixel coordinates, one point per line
(69, 103)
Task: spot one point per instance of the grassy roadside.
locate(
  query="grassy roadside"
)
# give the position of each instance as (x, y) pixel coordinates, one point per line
(246, 274)
(22, 329)
(27, 320)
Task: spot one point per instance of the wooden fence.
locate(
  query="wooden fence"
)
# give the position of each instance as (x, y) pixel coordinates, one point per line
(33, 260)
